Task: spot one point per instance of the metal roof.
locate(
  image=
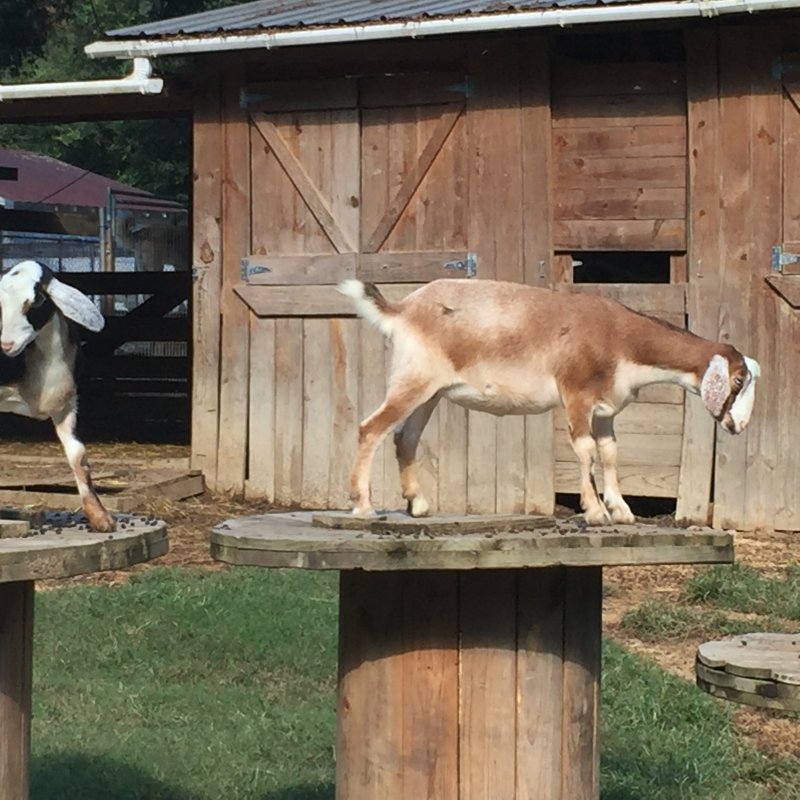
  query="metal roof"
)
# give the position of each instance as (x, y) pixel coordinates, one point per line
(289, 14)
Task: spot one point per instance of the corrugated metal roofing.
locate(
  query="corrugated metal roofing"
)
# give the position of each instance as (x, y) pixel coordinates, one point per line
(288, 14)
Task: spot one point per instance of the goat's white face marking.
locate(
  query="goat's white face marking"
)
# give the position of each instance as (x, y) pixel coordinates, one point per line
(742, 406)
(17, 296)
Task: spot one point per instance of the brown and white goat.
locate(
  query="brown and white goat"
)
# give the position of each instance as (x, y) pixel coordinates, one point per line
(40, 346)
(512, 349)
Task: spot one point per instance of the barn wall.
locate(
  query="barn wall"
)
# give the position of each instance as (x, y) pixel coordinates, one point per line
(284, 374)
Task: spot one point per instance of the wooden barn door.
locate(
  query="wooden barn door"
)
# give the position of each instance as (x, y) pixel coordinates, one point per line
(350, 178)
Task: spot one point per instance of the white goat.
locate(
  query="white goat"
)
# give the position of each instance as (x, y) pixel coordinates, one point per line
(36, 309)
(512, 349)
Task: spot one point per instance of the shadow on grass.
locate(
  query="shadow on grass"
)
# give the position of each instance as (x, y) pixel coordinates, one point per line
(77, 776)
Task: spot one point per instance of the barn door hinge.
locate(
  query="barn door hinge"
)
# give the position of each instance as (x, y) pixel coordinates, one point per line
(468, 265)
(464, 87)
(249, 269)
(781, 259)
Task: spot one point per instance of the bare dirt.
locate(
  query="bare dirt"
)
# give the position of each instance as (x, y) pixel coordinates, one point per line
(189, 522)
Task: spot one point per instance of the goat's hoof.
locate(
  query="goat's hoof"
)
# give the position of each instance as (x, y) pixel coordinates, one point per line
(598, 516)
(102, 524)
(623, 516)
(418, 506)
(364, 513)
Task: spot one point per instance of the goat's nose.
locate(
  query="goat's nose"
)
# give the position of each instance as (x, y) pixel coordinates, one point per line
(7, 346)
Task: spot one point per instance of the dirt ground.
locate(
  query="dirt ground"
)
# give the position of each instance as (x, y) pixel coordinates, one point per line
(189, 522)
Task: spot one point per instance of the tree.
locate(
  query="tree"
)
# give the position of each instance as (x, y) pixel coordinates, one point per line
(45, 41)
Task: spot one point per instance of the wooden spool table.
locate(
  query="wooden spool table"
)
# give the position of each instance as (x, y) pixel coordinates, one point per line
(757, 669)
(61, 551)
(469, 647)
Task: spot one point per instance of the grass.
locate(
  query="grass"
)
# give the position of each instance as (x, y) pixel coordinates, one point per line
(656, 621)
(185, 685)
(742, 588)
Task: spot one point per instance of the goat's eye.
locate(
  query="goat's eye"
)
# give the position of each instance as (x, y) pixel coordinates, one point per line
(738, 382)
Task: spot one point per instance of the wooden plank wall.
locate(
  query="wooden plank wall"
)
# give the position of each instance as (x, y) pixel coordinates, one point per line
(619, 155)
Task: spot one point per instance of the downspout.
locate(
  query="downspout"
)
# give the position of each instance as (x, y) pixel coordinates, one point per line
(438, 26)
(139, 81)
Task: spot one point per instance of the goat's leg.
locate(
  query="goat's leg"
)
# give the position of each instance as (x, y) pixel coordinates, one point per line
(99, 518)
(603, 429)
(403, 398)
(583, 443)
(406, 440)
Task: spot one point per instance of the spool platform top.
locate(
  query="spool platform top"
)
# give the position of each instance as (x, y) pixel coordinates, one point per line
(394, 541)
(62, 549)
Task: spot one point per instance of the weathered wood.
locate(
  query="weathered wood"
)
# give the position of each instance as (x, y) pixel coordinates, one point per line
(540, 663)
(629, 142)
(16, 667)
(765, 435)
(13, 528)
(638, 480)
(616, 234)
(611, 202)
(787, 286)
(440, 525)
(417, 267)
(488, 671)
(327, 268)
(574, 79)
(618, 109)
(760, 669)
(322, 94)
(736, 252)
(411, 89)
(641, 449)
(643, 418)
(289, 355)
(63, 555)
(626, 172)
(207, 282)
(370, 708)
(304, 184)
(236, 215)
(537, 171)
(413, 178)
(580, 754)
(290, 540)
(262, 424)
(703, 299)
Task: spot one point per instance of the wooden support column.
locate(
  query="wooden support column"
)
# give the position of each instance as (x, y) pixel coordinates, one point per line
(16, 663)
(499, 666)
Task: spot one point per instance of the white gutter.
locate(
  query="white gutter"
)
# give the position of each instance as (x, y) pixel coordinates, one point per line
(479, 23)
(138, 82)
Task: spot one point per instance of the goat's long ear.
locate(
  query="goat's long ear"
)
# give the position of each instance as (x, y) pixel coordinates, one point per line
(75, 305)
(716, 385)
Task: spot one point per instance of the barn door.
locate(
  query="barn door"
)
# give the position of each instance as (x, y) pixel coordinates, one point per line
(784, 278)
(350, 178)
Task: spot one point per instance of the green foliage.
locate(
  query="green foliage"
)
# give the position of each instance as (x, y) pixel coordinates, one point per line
(45, 41)
(745, 589)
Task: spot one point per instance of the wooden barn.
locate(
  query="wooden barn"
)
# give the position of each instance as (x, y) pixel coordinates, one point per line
(643, 150)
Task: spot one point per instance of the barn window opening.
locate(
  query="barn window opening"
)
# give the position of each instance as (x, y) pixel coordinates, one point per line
(620, 267)
(654, 509)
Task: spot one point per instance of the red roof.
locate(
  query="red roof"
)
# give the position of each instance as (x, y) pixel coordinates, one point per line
(32, 178)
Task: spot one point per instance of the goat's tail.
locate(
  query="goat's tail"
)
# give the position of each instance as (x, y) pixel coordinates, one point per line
(370, 304)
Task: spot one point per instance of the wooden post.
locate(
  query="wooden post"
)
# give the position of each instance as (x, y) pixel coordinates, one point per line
(16, 660)
(485, 664)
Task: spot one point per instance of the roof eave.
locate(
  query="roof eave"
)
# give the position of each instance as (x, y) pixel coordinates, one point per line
(441, 26)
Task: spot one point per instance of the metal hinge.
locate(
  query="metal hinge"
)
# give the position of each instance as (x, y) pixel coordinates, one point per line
(781, 259)
(248, 269)
(468, 265)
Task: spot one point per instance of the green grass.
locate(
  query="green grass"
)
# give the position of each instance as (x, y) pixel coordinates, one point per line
(186, 686)
(656, 621)
(743, 588)
(221, 686)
